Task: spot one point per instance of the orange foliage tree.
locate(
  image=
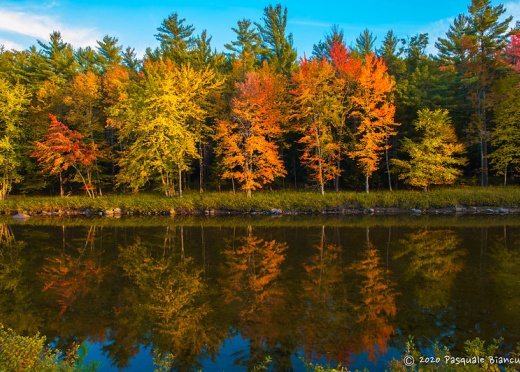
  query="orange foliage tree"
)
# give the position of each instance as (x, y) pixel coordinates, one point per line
(64, 148)
(375, 113)
(318, 113)
(246, 142)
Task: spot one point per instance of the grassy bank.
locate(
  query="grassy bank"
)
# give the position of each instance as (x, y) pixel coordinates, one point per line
(286, 201)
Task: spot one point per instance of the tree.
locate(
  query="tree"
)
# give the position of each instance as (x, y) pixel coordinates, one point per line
(88, 60)
(246, 141)
(375, 113)
(246, 48)
(318, 109)
(64, 148)
(59, 57)
(472, 48)
(324, 48)
(84, 101)
(176, 40)
(165, 104)
(365, 43)
(109, 53)
(434, 158)
(505, 136)
(512, 52)
(116, 91)
(14, 100)
(277, 46)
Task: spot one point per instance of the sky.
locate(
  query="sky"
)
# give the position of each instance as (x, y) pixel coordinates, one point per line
(134, 23)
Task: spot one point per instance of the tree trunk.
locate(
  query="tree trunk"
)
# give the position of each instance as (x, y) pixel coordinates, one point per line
(367, 189)
(201, 169)
(61, 185)
(180, 181)
(483, 162)
(336, 178)
(388, 166)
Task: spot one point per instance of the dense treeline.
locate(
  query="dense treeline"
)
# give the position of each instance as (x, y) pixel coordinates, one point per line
(254, 116)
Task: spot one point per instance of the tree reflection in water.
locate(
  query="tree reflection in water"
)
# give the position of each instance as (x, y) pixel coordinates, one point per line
(16, 291)
(192, 291)
(169, 297)
(327, 318)
(435, 260)
(253, 289)
(375, 308)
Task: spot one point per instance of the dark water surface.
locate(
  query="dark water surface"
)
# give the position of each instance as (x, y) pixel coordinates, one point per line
(223, 293)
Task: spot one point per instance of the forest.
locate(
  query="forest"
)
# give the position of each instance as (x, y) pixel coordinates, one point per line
(185, 116)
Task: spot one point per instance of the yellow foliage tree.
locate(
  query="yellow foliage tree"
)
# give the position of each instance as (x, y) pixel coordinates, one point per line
(433, 158)
(167, 99)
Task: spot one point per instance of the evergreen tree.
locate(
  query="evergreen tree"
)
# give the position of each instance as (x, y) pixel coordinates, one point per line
(365, 43)
(176, 39)
(247, 46)
(472, 48)
(505, 136)
(323, 48)
(277, 45)
(109, 53)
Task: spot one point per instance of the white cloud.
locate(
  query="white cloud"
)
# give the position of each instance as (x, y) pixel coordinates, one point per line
(8, 44)
(513, 8)
(41, 26)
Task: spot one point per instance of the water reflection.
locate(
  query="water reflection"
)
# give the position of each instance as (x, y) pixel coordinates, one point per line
(327, 311)
(376, 309)
(258, 299)
(323, 292)
(435, 258)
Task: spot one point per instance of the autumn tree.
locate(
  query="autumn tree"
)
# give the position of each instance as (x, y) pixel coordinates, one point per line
(65, 148)
(83, 99)
(347, 71)
(13, 106)
(246, 142)
(318, 110)
(116, 88)
(434, 158)
(375, 113)
(163, 108)
(512, 52)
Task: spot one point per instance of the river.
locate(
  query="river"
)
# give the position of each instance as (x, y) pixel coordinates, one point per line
(225, 293)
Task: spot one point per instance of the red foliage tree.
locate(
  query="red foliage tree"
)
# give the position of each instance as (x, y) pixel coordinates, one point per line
(64, 148)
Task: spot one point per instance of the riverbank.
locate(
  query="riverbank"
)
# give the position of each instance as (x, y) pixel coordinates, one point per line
(468, 200)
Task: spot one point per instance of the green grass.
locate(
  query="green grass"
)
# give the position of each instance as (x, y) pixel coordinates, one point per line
(264, 201)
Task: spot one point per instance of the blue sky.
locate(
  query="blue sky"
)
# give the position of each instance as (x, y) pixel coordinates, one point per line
(135, 23)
